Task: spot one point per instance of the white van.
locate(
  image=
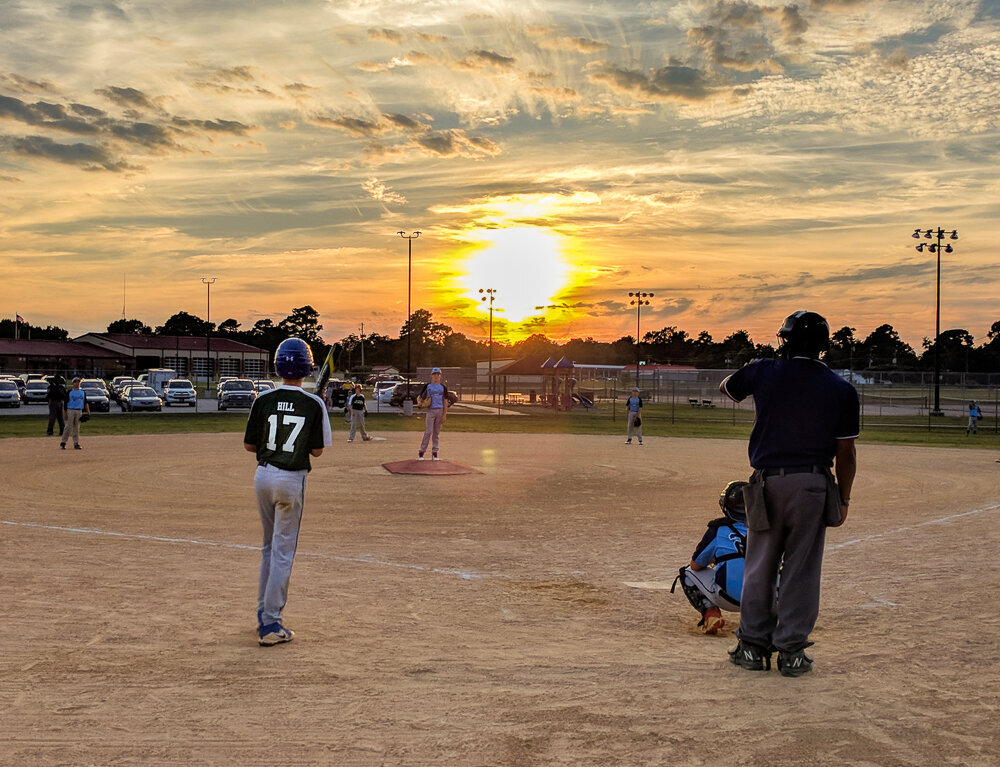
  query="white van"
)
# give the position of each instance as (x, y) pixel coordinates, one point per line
(157, 377)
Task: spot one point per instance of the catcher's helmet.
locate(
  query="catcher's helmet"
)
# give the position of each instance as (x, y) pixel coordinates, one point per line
(732, 503)
(293, 359)
(804, 334)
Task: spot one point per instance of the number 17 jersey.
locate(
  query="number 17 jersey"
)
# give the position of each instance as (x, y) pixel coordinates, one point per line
(285, 424)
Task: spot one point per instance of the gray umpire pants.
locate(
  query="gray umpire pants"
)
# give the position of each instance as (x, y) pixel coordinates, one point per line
(280, 496)
(795, 513)
(432, 428)
(358, 422)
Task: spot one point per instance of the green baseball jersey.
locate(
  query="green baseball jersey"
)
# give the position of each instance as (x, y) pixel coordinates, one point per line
(285, 424)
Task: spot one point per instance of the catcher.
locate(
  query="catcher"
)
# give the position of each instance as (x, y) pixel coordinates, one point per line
(714, 580)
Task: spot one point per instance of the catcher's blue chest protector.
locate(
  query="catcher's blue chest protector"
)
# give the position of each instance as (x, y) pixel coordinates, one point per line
(725, 543)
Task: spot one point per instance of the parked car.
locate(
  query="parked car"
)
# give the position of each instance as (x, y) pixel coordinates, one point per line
(383, 391)
(97, 394)
(222, 380)
(117, 384)
(264, 385)
(9, 394)
(239, 392)
(140, 397)
(35, 391)
(179, 391)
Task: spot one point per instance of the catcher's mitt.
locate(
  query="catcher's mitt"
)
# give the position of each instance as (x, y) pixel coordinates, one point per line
(637, 422)
(84, 418)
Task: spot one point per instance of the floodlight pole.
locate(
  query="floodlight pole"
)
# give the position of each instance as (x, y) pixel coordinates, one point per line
(638, 299)
(491, 293)
(936, 248)
(208, 331)
(409, 314)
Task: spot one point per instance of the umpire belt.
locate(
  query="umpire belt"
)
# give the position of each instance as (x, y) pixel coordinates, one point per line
(811, 468)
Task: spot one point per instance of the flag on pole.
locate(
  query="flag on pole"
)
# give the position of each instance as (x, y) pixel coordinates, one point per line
(19, 317)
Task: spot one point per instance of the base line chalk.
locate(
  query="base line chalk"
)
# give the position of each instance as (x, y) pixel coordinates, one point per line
(908, 528)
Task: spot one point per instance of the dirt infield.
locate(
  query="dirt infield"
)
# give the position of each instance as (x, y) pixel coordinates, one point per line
(480, 619)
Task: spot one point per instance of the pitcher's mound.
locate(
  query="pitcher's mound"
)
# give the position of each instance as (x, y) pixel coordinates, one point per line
(431, 468)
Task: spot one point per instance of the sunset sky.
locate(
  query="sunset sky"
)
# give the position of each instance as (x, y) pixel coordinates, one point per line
(740, 160)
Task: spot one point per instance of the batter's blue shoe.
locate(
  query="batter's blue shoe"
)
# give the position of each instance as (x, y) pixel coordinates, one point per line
(274, 633)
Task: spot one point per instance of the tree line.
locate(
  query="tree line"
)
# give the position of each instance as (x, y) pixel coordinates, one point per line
(428, 342)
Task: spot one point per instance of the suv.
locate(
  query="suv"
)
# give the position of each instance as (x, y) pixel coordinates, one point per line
(238, 392)
(179, 391)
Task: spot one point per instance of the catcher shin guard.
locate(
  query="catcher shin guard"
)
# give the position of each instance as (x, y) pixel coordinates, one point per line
(694, 595)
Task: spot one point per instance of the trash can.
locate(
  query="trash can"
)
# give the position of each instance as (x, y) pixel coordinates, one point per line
(407, 406)
(532, 397)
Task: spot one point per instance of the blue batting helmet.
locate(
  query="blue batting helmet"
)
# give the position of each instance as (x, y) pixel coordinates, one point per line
(293, 359)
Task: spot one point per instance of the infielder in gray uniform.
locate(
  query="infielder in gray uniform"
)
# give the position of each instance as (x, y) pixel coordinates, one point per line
(286, 426)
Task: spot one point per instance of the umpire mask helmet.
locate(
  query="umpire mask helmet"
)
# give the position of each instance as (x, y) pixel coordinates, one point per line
(804, 334)
(293, 359)
(732, 503)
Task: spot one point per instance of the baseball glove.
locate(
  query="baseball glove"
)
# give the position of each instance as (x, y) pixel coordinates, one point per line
(84, 418)
(637, 422)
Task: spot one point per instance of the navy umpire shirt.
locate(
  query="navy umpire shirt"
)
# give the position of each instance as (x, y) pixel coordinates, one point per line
(803, 408)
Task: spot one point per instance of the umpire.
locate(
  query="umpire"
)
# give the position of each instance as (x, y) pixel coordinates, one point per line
(806, 421)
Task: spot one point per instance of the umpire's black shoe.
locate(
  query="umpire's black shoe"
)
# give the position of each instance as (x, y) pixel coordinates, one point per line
(750, 656)
(794, 663)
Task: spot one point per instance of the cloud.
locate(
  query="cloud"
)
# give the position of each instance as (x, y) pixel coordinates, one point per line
(381, 193)
(44, 114)
(24, 85)
(213, 126)
(793, 25)
(578, 44)
(386, 36)
(670, 83)
(85, 156)
(411, 59)
(127, 97)
(405, 123)
(480, 59)
(355, 125)
(749, 54)
(836, 5)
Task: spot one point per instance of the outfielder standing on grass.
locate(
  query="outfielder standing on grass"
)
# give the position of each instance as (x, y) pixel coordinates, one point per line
(286, 426)
(807, 418)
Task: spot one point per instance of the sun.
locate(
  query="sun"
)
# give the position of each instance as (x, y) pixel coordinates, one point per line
(524, 265)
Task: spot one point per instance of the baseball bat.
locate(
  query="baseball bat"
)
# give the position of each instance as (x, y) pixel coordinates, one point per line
(323, 377)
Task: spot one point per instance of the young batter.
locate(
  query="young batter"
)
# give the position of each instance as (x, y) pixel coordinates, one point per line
(286, 426)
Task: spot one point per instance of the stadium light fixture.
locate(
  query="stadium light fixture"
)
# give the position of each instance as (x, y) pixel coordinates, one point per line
(491, 294)
(937, 248)
(639, 299)
(409, 314)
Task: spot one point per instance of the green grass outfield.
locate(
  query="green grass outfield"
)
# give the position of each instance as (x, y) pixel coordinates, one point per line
(658, 421)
